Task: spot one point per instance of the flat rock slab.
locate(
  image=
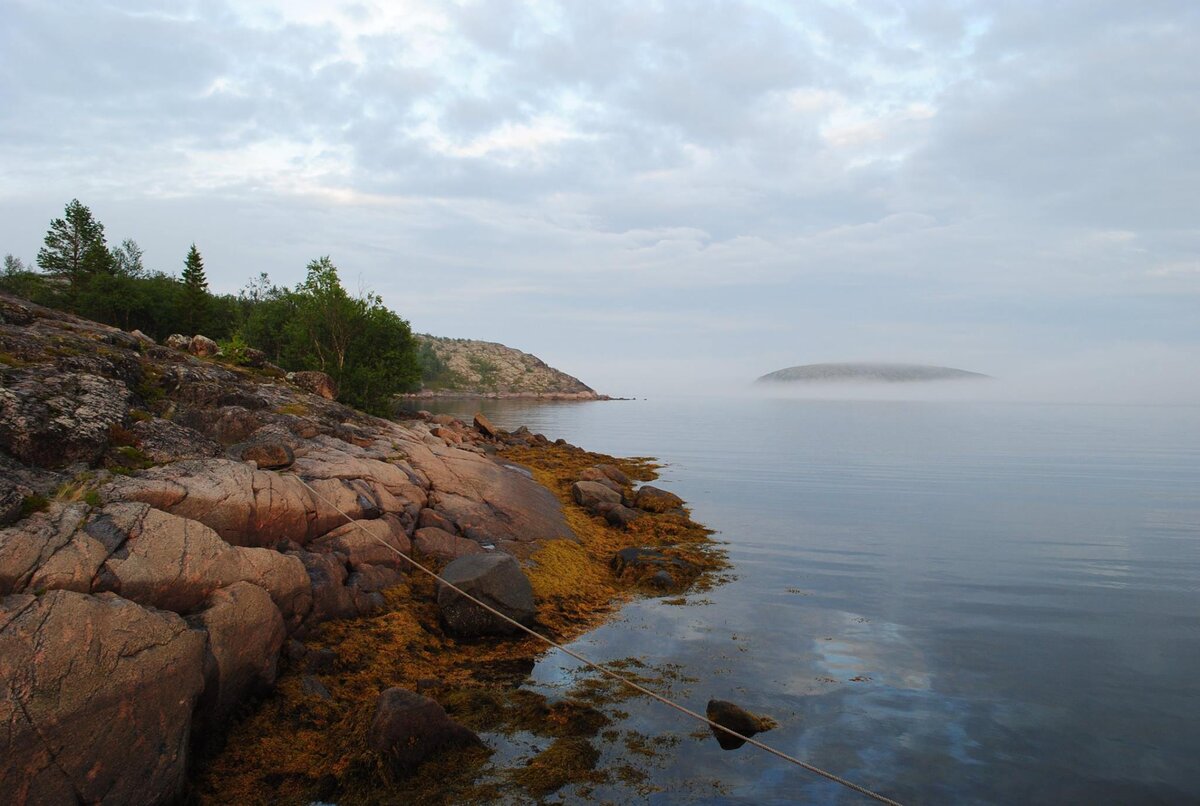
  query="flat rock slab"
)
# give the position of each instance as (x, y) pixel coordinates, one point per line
(497, 580)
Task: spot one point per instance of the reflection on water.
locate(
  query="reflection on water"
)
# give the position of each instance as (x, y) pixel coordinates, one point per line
(960, 603)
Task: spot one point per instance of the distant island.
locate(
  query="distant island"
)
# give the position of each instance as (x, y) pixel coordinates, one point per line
(471, 368)
(868, 372)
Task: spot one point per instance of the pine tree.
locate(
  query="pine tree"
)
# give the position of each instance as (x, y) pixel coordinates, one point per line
(74, 244)
(195, 292)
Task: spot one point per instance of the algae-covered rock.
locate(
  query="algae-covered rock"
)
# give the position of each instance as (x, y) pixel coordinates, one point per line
(652, 499)
(496, 579)
(736, 718)
(408, 728)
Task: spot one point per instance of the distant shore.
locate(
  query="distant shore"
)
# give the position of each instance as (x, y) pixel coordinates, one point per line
(438, 394)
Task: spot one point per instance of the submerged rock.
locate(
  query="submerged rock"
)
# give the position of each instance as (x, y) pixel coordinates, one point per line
(496, 579)
(736, 718)
(408, 728)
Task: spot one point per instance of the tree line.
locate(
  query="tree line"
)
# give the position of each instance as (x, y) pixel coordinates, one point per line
(368, 349)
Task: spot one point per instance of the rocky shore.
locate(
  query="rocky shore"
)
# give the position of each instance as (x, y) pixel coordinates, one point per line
(202, 588)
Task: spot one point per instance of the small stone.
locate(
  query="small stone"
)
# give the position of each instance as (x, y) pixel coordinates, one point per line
(320, 661)
(313, 687)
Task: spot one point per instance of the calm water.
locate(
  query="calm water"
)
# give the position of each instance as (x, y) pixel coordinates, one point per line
(950, 603)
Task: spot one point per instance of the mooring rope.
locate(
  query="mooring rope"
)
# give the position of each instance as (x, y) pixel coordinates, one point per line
(862, 790)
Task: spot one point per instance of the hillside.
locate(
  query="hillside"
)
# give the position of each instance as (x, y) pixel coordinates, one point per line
(468, 367)
(869, 373)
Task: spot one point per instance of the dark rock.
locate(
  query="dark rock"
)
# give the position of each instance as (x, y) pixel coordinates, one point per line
(245, 633)
(652, 499)
(662, 580)
(14, 313)
(164, 441)
(313, 687)
(12, 499)
(621, 516)
(737, 719)
(590, 494)
(316, 382)
(433, 542)
(330, 597)
(269, 455)
(96, 699)
(495, 579)
(429, 517)
(320, 661)
(51, 418)
(119, 338)
(368, 508)
(643, 564)
(408, 728)
(255, 358)
(203, 346)
(294, 650)
(484, 425)
(374, 578)
(234, 424)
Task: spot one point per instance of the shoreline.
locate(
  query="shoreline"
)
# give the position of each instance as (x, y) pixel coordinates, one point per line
(175, 562)
(438, 394)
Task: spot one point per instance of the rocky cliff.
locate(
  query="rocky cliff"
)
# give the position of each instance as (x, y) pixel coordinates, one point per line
(453, 367)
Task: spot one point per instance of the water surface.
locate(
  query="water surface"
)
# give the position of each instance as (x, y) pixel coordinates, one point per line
(950, 603)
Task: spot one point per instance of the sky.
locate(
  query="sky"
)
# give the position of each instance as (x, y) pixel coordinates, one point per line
(653, 196)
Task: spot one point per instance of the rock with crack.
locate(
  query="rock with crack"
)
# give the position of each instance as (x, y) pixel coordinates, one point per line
(96, 699)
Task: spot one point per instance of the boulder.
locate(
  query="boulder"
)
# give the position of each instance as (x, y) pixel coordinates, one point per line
(621, 516)
(593, 476)
(494, 578)
(142, 338)
(234, 424)
(431, 541)
(269, 455)
(331, 599)
(96, 700)
(318, 383)
(408, 728)
(14, 313)
(484, 425)
(616, 474)
(253, 357)
(245, 633)
(52, 418)
(737, 719)
(203, 346)
(652, 499)
(178, 341)
(590, 494)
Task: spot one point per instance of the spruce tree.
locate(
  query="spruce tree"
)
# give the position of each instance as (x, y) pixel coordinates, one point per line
(195, 292)
(74, 244)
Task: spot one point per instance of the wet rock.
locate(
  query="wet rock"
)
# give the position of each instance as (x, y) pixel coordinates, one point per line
(484, 425)
(203, 347)
(433, 542)
(590, 494)
(644, 564)
(652, 499)
(52, 419)
(737, 719)
(318, 383)
(269, 455)
(96, 699)
(245, 633)
(408, 728)
(497, 580)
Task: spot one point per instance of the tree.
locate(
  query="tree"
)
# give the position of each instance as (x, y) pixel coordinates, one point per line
(327, 315)
(73, 243)
(127, 259)
(13, 265)
(195, 292)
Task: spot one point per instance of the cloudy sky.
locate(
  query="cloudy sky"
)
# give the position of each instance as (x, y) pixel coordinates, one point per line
(651, 194)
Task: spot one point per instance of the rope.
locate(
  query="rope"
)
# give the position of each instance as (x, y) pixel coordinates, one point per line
(862, 790)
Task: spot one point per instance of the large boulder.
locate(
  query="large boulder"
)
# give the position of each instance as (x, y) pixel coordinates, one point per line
(245, 633)
(96, 700)
(178, 341)
(316, 382)
(494, 578)
(408, 728)
(52, 418)
(203, 346)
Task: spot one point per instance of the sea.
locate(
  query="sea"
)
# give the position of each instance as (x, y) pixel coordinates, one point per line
(945, 602)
